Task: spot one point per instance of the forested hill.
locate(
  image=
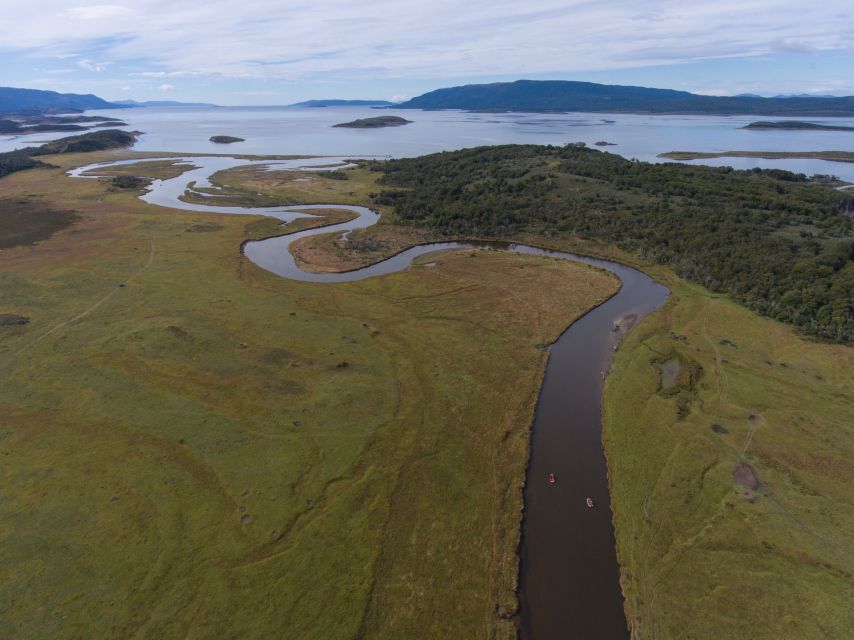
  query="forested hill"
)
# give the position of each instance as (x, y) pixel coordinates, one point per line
(22, 159)
(35, 101)
(768, 238)
(564, 95)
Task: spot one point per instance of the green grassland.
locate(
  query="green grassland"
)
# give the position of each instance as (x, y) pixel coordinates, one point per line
(185, 458)
(244, 184)
(154, 169)
(705, 387)
(195, 448)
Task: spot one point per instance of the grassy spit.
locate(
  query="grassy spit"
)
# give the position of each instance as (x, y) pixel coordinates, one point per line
(835, 156)
(195, 448)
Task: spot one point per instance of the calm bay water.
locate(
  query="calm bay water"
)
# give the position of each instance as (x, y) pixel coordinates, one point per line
(286, 131)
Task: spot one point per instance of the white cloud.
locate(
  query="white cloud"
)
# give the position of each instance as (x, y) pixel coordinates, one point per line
(97, 12)
(168, 74)
(165, 87)
(97, 67)
(420, 38)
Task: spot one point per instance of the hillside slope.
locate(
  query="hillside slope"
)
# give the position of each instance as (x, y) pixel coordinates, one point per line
(13, 100)
(563, 95)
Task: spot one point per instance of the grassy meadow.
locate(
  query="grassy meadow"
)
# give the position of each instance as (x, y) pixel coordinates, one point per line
(730, 442)
(195, 448)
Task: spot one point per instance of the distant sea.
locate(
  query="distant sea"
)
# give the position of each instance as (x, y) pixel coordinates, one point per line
(309, 131)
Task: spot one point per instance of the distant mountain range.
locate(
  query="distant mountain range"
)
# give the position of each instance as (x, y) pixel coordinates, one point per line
(521, 95)
(565, 95)
(32, 101)
(343, 103)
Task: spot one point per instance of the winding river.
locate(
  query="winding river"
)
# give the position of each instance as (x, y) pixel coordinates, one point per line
(569, 577)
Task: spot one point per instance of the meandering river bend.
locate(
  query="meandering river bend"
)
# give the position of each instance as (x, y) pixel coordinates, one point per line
(569, 577)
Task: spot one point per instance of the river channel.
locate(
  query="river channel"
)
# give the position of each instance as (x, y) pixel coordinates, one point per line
(569, 577)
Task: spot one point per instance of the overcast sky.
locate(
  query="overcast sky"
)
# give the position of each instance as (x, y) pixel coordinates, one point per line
(281, 51)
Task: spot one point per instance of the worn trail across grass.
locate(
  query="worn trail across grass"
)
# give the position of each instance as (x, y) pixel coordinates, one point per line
(211, 451)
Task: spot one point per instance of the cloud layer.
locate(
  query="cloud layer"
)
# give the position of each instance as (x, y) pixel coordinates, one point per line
(298, 39)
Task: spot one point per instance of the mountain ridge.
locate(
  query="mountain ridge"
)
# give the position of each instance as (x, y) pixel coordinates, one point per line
(569, 95)
(15, 100)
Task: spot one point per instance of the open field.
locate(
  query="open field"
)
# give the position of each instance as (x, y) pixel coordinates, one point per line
(730, 443)
(155, 169)
(244, 184)
(195, 448)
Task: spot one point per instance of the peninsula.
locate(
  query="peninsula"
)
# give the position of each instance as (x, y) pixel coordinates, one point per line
(796, 125)
(833, 156)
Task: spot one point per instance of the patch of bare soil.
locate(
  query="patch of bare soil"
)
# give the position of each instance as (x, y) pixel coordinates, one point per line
(745, 475)
(625, 324)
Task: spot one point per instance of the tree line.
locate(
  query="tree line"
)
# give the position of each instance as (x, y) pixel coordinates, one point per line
(771, 239)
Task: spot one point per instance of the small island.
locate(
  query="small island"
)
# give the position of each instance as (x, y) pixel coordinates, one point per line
(603, 143)
(225, 139)
(796, 125)
(375, 123)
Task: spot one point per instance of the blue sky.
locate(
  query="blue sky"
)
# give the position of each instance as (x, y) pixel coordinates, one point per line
(282, 51)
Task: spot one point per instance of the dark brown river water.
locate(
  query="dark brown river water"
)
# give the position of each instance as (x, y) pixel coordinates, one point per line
(569, 578)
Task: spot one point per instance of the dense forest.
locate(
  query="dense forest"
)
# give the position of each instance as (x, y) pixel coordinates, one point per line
(568, 95)
(771, 239)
